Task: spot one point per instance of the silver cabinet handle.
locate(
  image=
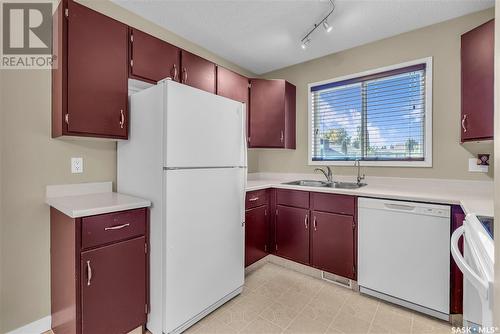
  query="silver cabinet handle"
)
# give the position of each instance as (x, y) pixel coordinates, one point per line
(175, 71)
(122, 119)
(305, 221)
(117, 227)
(282, 136)
(89, 273)
(463, 123)
(253, 199)
(315, 224)
(184, 75)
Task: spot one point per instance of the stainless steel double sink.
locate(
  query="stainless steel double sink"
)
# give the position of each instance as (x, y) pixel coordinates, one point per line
(339, 185)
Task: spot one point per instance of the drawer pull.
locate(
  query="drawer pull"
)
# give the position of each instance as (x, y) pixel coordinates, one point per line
(117, 227)
(253, 199)
(89, 273)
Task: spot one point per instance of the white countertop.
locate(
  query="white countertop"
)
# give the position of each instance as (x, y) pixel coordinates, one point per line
(88, 199)
(475, 197)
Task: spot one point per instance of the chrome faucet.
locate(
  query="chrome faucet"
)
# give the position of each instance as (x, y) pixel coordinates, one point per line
(328, 174)
(359, 178)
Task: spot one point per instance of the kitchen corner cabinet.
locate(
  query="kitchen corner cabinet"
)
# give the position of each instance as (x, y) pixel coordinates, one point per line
(272, 114)
(99, 272)
(256, 226)
(197, 72)
(152, 59)
(89, 77)
(477, 63)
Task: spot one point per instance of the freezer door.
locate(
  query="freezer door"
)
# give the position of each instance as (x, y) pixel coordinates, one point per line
(204, 240)
(202, 129)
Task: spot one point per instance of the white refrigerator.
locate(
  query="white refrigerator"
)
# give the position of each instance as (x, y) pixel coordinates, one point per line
(187, 153)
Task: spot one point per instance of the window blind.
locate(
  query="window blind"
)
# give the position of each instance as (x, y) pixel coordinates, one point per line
(379, 117)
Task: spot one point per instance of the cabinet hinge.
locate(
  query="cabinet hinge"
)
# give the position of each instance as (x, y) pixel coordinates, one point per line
(353, 269)
(265, 248)
(66, 118)
(249, 85)
(145, 248)
(66, 12)
(131, 38)
(276, 247)
(146, 308)
(265, 212)
(243, 224)
(131, 63)
(353, 226)
(276, 212)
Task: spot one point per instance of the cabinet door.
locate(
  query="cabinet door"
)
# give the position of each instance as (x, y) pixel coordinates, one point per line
(255, 234)
(477, 53)
(333, 243)
(97, 74)
(113, 283)
(153, 59)
(232, 85)
(267, 113)
(292, 233)
(197, 72)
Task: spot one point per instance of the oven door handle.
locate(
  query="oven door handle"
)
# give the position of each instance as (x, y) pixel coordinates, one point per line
(479, 283)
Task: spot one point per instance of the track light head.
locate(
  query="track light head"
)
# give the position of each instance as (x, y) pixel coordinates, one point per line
(305, 43)
(327, 27)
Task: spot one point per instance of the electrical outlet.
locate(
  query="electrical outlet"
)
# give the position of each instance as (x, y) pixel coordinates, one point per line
(76, 165)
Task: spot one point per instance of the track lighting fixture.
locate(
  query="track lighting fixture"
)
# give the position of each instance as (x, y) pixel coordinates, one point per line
(306, 40)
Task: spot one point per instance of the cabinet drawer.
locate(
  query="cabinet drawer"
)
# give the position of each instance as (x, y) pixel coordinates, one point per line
(296, 198)
(112, 227)
(333, 203)
(255, 199)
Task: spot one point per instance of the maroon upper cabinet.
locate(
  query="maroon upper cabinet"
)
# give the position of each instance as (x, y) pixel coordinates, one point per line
(292, 233)
(197, 72)
(332, 240)
(232, 85)
(152, 59)
(477, 53)
(272, 114)
(256, 227)
(90, 82)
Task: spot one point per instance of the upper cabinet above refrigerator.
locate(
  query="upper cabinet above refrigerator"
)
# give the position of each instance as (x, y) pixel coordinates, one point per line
(272, 114)
(89, 78)
(477, 55)
(152, 59)
(197, 72)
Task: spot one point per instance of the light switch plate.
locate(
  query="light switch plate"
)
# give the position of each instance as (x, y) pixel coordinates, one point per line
(76, 165)
(474, 167)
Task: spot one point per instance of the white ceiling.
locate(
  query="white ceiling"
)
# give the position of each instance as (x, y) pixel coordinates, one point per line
(265, 35)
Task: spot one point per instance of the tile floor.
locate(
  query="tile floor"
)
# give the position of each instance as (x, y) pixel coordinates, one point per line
(280, 300)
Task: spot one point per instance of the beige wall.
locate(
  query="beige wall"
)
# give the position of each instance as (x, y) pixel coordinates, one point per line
(29, 161)
(442, 42)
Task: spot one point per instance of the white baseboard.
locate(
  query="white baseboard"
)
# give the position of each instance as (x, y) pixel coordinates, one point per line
(36, 327)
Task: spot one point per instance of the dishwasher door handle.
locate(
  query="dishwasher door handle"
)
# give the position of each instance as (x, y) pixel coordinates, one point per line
(400, 207)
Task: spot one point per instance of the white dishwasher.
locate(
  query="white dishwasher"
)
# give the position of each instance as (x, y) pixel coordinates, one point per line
(404, 254)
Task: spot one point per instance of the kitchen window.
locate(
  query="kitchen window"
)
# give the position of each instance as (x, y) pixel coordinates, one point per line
(381, 117)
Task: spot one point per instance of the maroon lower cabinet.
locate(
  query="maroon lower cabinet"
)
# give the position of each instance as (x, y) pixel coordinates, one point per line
(256, 234)
(477, 75)
(100, 286)
(456, 276)
(198, 72)
(113, 287)
(292, 233)
(332, 243)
